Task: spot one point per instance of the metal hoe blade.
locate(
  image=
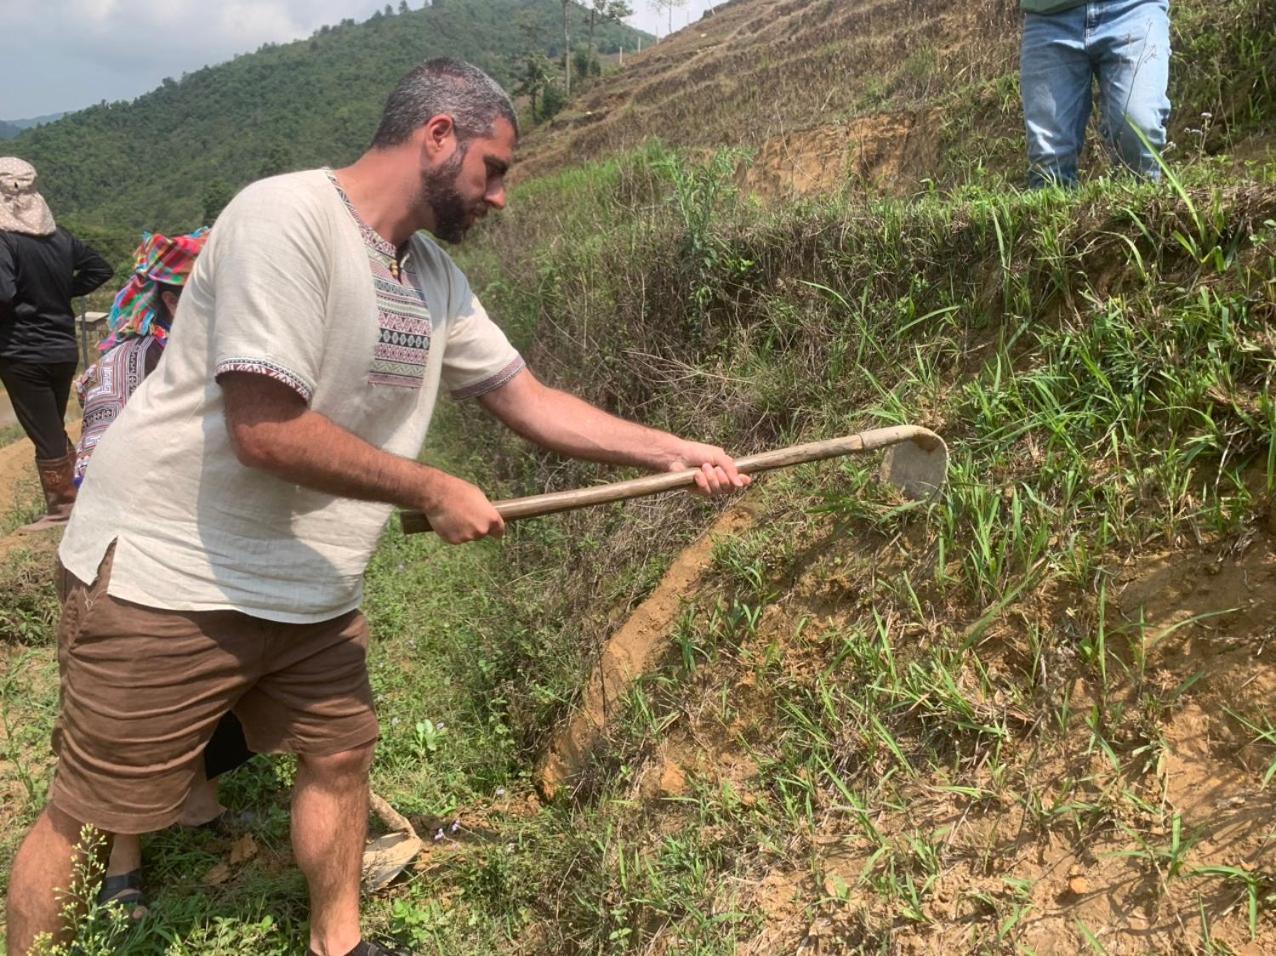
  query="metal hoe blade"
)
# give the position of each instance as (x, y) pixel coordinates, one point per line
(917, 467)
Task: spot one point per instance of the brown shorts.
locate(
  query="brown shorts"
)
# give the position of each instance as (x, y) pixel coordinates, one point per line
(142, 690)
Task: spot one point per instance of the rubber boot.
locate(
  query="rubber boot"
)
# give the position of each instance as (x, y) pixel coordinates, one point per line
(57, 478)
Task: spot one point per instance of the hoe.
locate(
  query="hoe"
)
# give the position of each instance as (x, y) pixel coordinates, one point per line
(915, 462)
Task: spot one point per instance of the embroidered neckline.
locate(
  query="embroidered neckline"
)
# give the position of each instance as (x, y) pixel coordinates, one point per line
(371, 238)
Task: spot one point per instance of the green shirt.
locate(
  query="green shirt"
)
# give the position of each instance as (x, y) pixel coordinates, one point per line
(1048, 6)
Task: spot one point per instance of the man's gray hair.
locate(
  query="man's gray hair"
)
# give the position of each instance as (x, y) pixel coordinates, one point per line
(473, 99)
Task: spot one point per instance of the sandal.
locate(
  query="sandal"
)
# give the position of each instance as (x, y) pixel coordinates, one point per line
(228, 823)
(124, 889)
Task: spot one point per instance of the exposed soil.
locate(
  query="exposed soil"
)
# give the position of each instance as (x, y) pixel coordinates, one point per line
(747, 74)
(627, 655)
(887, 152)
(1194, 627)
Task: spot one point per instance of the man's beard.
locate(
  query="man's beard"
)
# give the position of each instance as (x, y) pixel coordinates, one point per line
(452, 215)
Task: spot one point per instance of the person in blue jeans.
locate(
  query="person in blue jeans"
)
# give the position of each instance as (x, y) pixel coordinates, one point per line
(1067, 45)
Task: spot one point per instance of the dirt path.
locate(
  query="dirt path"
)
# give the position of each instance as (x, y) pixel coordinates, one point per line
(19, 482)
(629, 654)
(7, 417)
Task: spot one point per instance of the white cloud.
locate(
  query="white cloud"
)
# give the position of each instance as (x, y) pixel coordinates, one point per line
(76, 52)
(94, 11)
(73, 53)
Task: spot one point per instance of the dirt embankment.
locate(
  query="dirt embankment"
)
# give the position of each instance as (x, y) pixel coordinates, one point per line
(1127, 842)
(827, 92)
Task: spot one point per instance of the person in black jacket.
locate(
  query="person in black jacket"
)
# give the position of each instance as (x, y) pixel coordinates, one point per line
(42, 267)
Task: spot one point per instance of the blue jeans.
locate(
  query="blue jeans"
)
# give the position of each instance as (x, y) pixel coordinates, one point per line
(1125, 44)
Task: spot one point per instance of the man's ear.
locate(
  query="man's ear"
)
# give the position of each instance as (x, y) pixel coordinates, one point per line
(170, 301)
(438, 138)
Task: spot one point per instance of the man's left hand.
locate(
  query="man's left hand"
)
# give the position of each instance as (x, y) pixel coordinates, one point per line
(716, 471)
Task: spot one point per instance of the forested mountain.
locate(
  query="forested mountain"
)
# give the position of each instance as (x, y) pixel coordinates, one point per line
(11, 128)
(164, 159)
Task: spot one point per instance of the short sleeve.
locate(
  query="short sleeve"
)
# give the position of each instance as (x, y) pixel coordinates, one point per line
(265, 267)
(478, 358)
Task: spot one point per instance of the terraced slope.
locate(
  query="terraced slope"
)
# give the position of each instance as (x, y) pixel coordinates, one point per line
(882, 93)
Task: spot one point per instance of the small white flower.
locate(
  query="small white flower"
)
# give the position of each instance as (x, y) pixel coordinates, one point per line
(500, 791)
(439, 835)
(456, 825)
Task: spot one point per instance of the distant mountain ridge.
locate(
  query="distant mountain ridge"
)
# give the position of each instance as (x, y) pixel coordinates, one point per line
(11, 128)
(155, 163)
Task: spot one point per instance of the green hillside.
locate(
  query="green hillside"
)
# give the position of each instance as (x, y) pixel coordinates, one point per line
(156, 162)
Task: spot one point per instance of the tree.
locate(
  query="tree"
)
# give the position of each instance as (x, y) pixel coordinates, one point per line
(669, 5)
(216, 195)
(585, 64)
(531, 30)
(403, 7)
(278, 159)
(567, 48)
(605, 11)
(538, 73)
(552, 100)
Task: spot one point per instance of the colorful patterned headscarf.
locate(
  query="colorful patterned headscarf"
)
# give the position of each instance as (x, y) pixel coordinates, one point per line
(158, 259)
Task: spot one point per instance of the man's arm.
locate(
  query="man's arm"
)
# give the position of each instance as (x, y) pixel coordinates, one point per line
(273, 430)
(572, 427)
(91, 270)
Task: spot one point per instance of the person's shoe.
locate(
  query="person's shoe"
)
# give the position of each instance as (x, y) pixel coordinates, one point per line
(124, 889)
(228, 823)
(57, 479)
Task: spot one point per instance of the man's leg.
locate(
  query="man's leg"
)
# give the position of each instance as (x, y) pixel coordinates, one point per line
(1054, 81)
(126, 855)
(1133, 52)
(314, 700)
(329, 826)
(140, 693)
(43, 871)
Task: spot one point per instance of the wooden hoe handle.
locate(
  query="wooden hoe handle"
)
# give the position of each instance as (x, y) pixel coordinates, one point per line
(534, 506)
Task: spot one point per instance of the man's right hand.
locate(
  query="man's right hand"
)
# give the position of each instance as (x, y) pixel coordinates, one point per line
(459, 511)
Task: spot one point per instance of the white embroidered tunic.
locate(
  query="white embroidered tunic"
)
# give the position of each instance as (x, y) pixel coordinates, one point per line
(292, 284)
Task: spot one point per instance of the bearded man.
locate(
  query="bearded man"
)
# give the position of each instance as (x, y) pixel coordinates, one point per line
(276, 438)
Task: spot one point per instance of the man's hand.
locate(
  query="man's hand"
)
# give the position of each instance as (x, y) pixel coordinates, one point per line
(717, 471)
(460, 512)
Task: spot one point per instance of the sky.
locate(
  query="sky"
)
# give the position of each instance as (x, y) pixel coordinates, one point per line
(63, 55)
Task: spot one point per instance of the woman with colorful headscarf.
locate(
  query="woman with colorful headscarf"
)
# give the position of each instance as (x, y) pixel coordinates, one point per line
(139, 321)
(42, 268)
